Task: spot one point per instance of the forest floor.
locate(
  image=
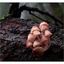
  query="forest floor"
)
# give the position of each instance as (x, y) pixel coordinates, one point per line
(13, 37)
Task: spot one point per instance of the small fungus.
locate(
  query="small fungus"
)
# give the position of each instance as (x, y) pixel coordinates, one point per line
(42, 43)
(31, 37)
(35, 31)
(36, 43)
(29, 44)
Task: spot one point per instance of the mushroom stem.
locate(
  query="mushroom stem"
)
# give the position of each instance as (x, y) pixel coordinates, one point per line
(43, 38)
(38, 38)
(49, 41)
(31, 47)
(46, 47)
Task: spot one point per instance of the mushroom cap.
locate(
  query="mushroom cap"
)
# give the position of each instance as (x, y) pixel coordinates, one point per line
(44, 23)
(31, 37)
(35, 33)
(43, 28)
(34, 28)
(47, 33)
(29, 43)
(36, 43)
(38, 51)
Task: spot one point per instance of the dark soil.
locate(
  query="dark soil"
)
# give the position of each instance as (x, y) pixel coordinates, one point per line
(13, 37)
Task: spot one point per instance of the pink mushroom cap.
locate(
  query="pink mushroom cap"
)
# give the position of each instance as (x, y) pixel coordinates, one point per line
(29, 43)
(36, 43)
(34, 28)
(47, 33)
(31, 37)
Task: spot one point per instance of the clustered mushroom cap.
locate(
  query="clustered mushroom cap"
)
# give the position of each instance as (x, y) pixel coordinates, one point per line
(43, 28)
(36, 33)
(29, 43)
(47, 33)
(36, 43)
(44, 23)
(38, 51)
(31, 37)
(34, 28)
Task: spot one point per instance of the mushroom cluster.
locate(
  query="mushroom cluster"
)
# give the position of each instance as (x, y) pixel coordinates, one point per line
(39, 39)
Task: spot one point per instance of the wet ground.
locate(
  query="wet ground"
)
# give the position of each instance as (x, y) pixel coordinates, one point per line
(13, 37)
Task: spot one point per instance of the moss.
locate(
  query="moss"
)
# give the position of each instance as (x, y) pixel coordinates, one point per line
(8, 15)
(2, 18)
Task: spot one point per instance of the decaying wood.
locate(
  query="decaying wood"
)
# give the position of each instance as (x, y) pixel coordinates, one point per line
(13, 37)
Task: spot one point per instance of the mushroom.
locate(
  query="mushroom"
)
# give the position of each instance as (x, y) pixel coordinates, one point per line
(44, 41)
(43, 26)
(43, 38)
(47, 34)
(46, 46)
(34, 28)
(29, 44)
(36, 43)
(31, 37)
(44, 23)
(35, 31)
(38, 51)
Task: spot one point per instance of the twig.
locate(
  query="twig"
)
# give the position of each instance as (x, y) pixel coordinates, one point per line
(38, 17)
(24, 7)
(16, 12)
